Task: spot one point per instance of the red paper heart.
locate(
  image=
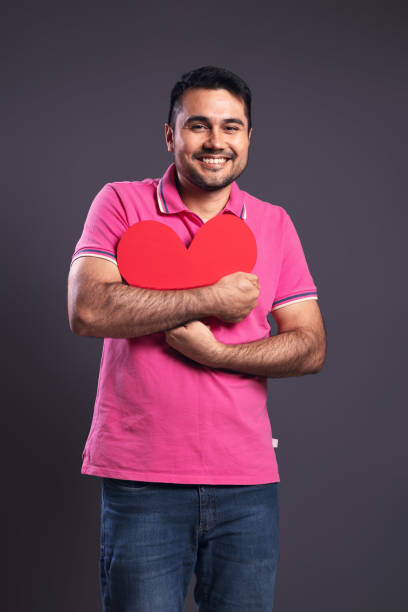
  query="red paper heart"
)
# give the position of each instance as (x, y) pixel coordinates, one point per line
(151, 255)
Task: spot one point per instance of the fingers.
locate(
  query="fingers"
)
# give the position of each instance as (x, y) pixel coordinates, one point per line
(253, 278)
(254, 281)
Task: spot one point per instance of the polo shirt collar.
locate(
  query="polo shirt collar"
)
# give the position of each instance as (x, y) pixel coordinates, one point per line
(169, 201)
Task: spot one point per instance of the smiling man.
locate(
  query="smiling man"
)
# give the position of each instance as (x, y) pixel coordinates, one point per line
(181, 436)
(210, 151)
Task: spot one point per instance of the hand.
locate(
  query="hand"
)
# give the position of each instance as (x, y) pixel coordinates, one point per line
(236, 295)
(196, 341)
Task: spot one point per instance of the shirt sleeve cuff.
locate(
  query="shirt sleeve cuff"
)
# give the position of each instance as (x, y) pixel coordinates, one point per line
(291, 299)
(88, 252)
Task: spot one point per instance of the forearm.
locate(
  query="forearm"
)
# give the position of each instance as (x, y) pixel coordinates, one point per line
(291, 353)
(116, 310)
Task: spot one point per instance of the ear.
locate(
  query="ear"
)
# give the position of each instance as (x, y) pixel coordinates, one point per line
(249, 134)
(169, 137)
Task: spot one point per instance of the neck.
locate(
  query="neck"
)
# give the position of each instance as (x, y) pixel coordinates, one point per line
(206, 204)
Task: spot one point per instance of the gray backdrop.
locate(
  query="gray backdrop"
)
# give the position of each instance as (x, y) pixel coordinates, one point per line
(85, 96)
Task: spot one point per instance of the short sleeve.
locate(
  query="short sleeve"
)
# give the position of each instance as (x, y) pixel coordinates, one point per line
(295, 283)
(105, 224)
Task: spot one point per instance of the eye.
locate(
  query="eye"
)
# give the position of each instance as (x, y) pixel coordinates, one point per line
(231, 128)
(197, 126)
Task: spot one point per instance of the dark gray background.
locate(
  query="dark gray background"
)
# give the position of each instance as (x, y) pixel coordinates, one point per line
(85, 94)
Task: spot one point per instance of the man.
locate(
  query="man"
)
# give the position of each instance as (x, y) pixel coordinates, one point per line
(181, 436)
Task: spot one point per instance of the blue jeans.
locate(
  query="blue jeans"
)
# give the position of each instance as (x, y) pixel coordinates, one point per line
(155, 535)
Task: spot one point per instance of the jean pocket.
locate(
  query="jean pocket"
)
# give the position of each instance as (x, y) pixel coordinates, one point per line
(128, 485)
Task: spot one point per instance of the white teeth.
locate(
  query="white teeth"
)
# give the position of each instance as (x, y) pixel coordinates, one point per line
(212, 160)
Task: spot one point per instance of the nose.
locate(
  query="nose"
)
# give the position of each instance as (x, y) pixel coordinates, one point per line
(214, 139)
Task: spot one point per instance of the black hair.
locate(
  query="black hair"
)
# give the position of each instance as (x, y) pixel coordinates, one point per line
(210, 77)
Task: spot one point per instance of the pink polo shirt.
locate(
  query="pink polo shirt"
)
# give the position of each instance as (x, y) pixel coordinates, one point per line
(159, 416)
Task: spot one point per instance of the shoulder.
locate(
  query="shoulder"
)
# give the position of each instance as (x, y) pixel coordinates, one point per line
(132, 200)
(146, 186)
(261, 209)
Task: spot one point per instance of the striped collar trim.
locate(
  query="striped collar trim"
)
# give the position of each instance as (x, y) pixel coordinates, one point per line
(160, 197)
(169, 201)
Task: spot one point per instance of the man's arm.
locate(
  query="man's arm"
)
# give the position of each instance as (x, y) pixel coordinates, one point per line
(299, 347)
(100, 305)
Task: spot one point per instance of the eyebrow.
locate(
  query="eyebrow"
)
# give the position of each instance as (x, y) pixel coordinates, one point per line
(206, 120)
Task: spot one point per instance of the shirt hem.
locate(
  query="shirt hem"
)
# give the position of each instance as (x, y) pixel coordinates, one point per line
(165, 477)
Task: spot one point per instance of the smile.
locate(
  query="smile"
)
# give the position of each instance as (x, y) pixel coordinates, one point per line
(214, 162)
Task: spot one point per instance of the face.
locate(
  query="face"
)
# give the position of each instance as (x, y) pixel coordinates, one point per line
(210, 140)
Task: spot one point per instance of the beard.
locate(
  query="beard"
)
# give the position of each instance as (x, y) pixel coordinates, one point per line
(214, 182)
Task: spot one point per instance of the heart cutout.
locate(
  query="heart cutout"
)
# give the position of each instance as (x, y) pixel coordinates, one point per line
(152, 256)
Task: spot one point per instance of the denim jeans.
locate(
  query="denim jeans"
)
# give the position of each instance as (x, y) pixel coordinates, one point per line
(155, 535)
